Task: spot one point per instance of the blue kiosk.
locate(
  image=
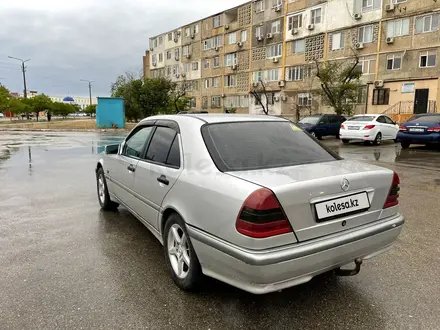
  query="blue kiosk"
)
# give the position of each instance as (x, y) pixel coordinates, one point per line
(110, 112)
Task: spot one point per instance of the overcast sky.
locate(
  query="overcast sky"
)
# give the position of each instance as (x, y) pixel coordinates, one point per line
(86, 39)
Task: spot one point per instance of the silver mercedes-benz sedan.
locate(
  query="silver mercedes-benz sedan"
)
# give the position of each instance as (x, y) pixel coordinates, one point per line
(250, 200)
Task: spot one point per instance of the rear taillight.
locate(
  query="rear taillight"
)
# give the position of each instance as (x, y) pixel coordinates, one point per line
(434, 129)
(393, 195)
(262, 216)
(369, 127)
(342, 127)
(402, 128)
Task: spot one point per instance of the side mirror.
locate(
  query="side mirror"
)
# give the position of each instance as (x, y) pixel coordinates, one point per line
(111, 149)
(396, 123)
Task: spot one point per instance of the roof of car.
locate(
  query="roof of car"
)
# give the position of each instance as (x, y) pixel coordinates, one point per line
(219, 118)
(368, 114)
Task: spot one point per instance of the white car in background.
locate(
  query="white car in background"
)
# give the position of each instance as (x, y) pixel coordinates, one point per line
(369, 128)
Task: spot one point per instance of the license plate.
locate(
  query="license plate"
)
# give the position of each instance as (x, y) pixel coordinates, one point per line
(416, 129)
(353, 128)
(343, 205)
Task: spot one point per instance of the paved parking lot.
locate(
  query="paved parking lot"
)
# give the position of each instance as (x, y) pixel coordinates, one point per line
(67, 265)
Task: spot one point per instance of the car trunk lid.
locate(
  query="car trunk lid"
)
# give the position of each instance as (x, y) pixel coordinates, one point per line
(310, 194)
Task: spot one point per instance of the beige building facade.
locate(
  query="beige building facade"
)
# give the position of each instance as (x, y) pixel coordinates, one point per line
(275, 43)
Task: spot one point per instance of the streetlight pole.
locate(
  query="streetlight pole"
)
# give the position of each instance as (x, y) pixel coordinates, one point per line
(23, 69)
(90, 89)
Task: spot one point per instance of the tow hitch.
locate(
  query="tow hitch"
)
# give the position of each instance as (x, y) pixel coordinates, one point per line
(350, 272)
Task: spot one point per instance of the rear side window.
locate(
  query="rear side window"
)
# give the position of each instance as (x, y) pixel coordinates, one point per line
(258, 145)
(174, 154)
(160, 145)
(426, 119)
(381, 119)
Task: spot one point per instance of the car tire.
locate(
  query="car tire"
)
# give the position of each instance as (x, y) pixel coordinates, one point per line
(395, 141)
(405, 145)
(180, 257)
(103, 196)
(378, 139)
(345, 141)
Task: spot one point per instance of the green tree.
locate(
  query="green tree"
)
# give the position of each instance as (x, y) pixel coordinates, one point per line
(39, 103)
(5, 97)
(91, 110)
(62, 109)
(17, 107)
(340, 84)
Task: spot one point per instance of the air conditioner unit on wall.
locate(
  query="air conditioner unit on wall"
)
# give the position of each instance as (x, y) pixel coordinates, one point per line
(295, 31)
(390, 40)
(275, 60)
(188, 55)
(276, 98)
(234, 67)
(378, 83)
(240, 44)
(269, 36)
(259, 38)
(192, 36)
(277, 8)
(359, 45)
(357, 16)
(216, 48)
(227, 27)
(389, 7)
(284, 98)
(281, 83)
(310, 26)
(255, 84)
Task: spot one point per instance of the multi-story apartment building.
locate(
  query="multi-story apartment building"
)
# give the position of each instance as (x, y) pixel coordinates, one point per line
(223, 57)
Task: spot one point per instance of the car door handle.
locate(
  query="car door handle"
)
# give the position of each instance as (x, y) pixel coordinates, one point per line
(131, 168)
(163, 179)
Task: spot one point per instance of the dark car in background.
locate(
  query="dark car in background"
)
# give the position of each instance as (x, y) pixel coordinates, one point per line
(420, 129)
(322, 125)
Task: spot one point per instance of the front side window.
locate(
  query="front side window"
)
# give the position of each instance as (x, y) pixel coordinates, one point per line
(338, 40)
(232, 38)
(160, 145)
(398, 27)
(316, 16)
(294, 22)
(394, 62)
(381, 96)
(134, 146)
(258, 145)
(365, 34)
(274, 51)
(276, 27)
(428, 59)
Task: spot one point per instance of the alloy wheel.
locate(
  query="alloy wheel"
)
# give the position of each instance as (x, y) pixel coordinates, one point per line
(178, 251)
(101, 189)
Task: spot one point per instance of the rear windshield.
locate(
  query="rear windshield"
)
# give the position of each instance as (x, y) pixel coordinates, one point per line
(362, 118)
(310, 120)
(258, 145)
(425, 119)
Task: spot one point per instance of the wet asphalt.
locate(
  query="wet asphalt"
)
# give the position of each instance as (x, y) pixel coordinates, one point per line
(64, 264)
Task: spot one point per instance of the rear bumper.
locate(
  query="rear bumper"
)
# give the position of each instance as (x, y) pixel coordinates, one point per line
(271, 270)
(418, 138)
(357, 135)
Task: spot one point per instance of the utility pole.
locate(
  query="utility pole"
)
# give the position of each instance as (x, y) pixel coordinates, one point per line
(23, 69)
(90, 89)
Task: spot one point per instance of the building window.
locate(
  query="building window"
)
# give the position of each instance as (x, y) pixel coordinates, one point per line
(169, 70)
(185, 50)
(160, 57)
(297, 73)
(399, 1)
(217, 41)
(207, 83)
(176, 54)
(338, 40)
(272, 75)
(427, 23)
(207, 44)
(243, 35)
(305, 99)
(206, 64)
(216, 102)
(216, 61)
(170, 36)
(316, 16)
(154, 59)
(394, 62)
(192, 102)
(277, 3)
(176, 69)
(214, 82)
(232, 38)
(186, 67)
(236, 101)
(259, 32)
(276, 27)
(274, 51)
(195, 66)
(154, 43)
(204, 102)
(367, 66)
(381, 96)
(258, 76)
(294, 22)
(196, 29)
(368, 5)
(230, 81)
(428, 58)
(365, 34)
(231, 59)
(398, 27)
(217, 21)
(160, 41)
(168, 55)
(298, 46)
(187, 32)
(259, 6)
